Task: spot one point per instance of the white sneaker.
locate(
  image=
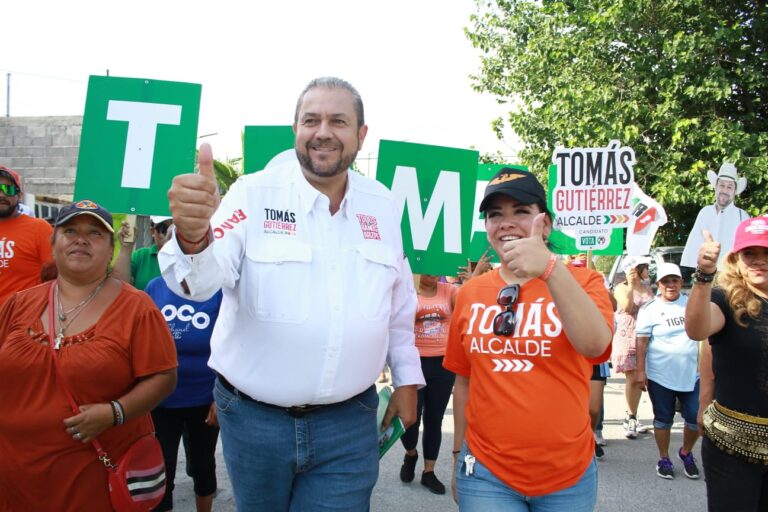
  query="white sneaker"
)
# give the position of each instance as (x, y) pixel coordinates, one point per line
(599, 439)
(630, 428)
(641, 429)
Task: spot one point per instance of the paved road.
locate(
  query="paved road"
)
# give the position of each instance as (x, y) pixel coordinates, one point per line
(627, 477)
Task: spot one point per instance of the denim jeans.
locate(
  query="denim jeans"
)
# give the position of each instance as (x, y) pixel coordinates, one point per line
(663, 401)
(324, 460)
(483, 492)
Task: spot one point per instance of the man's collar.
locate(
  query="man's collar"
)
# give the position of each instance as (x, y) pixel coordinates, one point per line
(309, 195)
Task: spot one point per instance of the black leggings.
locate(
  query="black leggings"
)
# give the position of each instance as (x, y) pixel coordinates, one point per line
(733, 485)
(201, 454)
(433, 400)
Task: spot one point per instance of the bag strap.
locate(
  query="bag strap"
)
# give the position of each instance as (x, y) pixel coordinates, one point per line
(103, 457)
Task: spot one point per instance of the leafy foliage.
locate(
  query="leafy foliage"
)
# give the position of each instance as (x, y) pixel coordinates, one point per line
(682, 82)
(227, 172)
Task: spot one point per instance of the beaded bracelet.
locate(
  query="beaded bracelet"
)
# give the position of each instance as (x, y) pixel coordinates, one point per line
(550, 267)
(703, 277)
(190, 242)
(118, 413)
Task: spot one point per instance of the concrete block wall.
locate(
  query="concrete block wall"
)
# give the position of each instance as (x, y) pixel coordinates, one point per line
(43, 150)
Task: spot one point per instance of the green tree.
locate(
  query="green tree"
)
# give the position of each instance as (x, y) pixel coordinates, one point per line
(682, 82)
(227, 172)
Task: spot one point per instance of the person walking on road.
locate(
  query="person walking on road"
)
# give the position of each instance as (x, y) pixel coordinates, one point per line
(433, 317)
(317, 295)
(734, 408)
(522, 343)
(667, 366)
(630, 295)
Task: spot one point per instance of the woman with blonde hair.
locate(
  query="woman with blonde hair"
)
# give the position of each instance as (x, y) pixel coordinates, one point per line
(734, 408)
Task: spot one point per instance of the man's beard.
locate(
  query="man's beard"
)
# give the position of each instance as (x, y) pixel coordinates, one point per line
(341, 166)
(720, 204)
(7, 211)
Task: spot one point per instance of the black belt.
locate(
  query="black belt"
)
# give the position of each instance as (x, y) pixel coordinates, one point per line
(296, 410)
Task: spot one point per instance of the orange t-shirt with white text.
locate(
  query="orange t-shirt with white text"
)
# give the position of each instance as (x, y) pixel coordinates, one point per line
(25, 244)
(527, 411)
(433, 316)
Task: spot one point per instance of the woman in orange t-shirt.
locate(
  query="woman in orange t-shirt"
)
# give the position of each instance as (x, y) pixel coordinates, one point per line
(433, 317)
(522, 342)
(114, 353)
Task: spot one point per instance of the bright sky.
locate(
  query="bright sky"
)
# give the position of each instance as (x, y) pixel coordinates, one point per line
(409, 59)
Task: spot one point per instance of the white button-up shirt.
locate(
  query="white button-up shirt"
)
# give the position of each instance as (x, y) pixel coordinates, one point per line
(313, 303)
(721, 225)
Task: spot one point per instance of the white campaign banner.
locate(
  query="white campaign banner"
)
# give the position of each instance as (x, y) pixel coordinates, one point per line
(594, 188)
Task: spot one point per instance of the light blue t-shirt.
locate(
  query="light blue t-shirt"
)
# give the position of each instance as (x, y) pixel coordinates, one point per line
(672, 357)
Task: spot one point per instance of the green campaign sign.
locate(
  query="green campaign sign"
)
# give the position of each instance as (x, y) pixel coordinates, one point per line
(600, 240)
(265, 145)
(434, 188)
(137, 135)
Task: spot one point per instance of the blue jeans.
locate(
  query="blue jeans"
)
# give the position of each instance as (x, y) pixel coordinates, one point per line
(663, 401)
(324, 460)
(483, 492)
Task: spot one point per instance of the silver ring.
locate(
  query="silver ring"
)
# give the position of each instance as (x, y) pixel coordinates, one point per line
(77, 435)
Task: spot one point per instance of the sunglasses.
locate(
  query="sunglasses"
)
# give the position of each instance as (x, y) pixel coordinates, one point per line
(9, 190)
(162, 228)
(504, 323)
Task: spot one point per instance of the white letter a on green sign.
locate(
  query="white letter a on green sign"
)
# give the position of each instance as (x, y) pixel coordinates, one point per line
(143, 119)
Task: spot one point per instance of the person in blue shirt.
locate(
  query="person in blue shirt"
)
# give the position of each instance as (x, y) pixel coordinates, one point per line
(190, 408)
(667, 365)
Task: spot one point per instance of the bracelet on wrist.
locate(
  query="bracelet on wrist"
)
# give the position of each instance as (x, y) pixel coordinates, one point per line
(456, 452)
(550, 267)
(703, 277)
(118, 412)
(190, 242)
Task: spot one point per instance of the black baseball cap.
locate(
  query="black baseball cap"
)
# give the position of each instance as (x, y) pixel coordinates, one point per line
(85, 207)
(520, 185)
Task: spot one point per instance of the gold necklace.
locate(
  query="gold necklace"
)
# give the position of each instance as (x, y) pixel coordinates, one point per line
(77, 310)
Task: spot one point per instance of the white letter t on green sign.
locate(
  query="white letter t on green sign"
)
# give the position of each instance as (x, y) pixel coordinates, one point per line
(143, 119)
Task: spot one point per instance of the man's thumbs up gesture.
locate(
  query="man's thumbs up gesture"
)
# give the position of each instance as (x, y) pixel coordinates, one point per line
(193, 199)
(528, 257)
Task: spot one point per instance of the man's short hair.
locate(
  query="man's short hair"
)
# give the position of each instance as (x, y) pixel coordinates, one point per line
(331, 82)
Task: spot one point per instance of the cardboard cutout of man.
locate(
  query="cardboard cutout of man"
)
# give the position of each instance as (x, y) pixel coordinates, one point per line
(721, 218)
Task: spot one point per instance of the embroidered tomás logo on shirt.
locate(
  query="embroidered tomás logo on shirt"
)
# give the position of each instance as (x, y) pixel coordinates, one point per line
(235, 219)
(370, 226)
(6, 252)
(279, 222)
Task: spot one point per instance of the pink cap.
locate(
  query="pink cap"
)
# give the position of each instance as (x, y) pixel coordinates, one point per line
(751, 232)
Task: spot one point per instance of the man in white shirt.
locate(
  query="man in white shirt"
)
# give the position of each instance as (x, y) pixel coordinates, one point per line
(317, 295)
(721, 218)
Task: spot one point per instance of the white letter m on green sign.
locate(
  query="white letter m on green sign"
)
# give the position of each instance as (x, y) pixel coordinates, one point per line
(446, 197)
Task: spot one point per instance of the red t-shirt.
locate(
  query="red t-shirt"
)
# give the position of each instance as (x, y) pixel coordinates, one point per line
(25, 244)
(528, 407)
(433, 316)
(41, 466)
